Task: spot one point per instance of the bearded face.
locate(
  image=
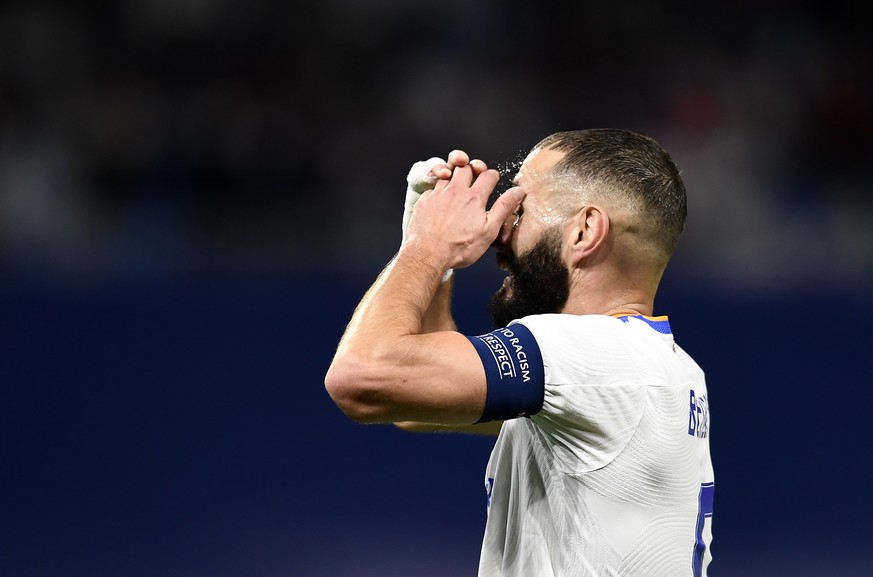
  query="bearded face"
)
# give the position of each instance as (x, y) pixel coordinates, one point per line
(539, 282)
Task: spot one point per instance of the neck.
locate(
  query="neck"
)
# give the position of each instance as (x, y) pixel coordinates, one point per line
(595, 292)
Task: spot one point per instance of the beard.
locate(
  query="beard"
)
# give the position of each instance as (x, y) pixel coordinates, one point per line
(539, 281)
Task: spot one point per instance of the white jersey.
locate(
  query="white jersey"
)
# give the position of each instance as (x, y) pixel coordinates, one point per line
(612, 477)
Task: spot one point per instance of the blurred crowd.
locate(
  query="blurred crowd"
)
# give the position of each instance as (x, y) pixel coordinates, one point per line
(164, 136)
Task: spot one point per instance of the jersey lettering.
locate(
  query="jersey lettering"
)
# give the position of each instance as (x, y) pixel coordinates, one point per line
(698, 416)
(704, 527)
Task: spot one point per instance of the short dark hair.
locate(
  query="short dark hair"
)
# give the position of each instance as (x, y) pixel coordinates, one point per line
(633, 164)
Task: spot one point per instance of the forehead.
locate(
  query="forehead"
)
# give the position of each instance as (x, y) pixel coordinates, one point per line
(537, 178)
(535, 172)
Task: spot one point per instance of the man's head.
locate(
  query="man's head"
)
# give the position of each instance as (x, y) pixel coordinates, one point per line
(604, 206)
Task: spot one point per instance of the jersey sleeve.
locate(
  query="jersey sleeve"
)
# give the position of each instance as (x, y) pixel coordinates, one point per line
(593, 400)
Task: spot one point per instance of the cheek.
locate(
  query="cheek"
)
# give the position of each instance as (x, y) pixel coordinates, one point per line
(524, 237)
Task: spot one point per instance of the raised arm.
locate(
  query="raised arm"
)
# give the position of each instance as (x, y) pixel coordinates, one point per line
(438, 317)
(423, 176)
(386, 368)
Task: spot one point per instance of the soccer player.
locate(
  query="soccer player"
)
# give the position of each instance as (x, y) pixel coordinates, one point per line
(602, 465)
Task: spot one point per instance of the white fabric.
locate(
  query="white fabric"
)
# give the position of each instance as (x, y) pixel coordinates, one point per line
(419, 180)
(605, 480)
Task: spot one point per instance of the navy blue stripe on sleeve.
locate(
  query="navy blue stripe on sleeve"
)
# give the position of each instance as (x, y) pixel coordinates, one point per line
(513, 371)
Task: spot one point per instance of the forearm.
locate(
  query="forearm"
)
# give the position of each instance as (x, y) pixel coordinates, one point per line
(387, 368)
(438, 316)
(404, 297)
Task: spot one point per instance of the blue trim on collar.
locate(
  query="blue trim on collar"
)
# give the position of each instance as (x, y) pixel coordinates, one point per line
(660, 324)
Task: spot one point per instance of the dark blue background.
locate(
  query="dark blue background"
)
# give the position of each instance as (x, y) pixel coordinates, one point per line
(180, 427)
(194, 195)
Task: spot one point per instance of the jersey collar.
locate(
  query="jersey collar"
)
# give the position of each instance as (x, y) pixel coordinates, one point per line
(660, 324)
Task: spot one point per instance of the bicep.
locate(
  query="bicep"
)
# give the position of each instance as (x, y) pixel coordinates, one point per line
(496, 376)
(435, 378)
(443, 378)
(439, 379)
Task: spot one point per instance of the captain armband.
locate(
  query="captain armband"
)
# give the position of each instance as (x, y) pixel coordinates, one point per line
(513, 372)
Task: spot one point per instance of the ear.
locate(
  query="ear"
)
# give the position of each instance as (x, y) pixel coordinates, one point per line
(589, 234)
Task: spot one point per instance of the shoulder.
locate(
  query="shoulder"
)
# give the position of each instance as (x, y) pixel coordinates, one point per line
(568, 321)
(585, 348)
(575, 328)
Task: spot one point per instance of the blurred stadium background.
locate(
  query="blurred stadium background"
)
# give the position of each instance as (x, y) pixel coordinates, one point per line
(194, 195)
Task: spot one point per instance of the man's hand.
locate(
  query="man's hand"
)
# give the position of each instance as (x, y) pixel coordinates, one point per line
(451, 224)
(423, 176)
(389, 366)
(458, 158)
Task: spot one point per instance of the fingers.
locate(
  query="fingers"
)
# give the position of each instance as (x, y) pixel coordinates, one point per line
(458, 159)
(442, 171)
(505, 205)
(478, 167)
(470, 175)
(462, 175)
(485, 183)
